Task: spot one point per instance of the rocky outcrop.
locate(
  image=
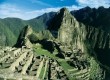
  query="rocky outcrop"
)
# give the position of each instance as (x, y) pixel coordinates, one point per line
(67, 30)
(23, 39)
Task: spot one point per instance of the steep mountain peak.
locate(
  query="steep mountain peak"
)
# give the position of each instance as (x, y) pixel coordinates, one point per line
(61, 19)
(27, 26)
(27, 30)
(23, 39)
(63, 11)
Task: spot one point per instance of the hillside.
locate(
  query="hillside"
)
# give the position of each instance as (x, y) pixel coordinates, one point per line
(11, 27)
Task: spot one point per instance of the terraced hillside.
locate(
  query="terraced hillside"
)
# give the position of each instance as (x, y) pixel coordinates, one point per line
(24, 64)
(39, 64)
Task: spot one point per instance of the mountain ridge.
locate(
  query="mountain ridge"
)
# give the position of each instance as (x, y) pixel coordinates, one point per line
(45, 20)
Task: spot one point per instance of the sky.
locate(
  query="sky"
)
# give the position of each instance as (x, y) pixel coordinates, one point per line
(28, 9)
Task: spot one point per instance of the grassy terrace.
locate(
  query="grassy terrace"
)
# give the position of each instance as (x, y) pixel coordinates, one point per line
(42, 72)
(40, 51)
(62, 62)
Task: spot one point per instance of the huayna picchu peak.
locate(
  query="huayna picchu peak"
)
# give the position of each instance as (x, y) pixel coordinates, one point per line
(64, 48)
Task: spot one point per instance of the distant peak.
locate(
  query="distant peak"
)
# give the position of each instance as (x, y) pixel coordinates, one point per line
(64, 10)
(27, 26)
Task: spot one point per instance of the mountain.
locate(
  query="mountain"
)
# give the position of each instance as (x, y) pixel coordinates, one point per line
(80, 39)
(98, 18)
(11, 27)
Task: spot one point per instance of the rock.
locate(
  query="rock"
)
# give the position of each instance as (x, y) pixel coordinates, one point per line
(23, 39)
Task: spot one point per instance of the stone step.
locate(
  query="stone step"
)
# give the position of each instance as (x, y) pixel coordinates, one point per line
(46, 65)
(40, 68)
(80, 72)
(82, 76)
(25, 67)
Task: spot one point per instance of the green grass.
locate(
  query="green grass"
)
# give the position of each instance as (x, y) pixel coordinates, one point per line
(40, 51)
(65, 65)
(42, 72)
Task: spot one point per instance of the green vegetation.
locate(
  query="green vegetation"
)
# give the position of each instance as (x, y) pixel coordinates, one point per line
(42, 72)
(95, 70)
(10, 28)
(64, 64)
(40, 51)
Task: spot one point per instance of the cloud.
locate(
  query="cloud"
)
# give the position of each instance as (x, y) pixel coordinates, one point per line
(93, 3)
(73, 7)
(8, 10)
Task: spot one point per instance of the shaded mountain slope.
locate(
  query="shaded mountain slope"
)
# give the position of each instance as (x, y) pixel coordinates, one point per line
(98, 18)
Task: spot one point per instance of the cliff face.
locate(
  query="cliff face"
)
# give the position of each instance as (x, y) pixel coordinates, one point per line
(98, 38)
(98, 18)
(99, 42)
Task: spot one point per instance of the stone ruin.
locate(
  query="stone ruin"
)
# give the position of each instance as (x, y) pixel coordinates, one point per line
(24, 64)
